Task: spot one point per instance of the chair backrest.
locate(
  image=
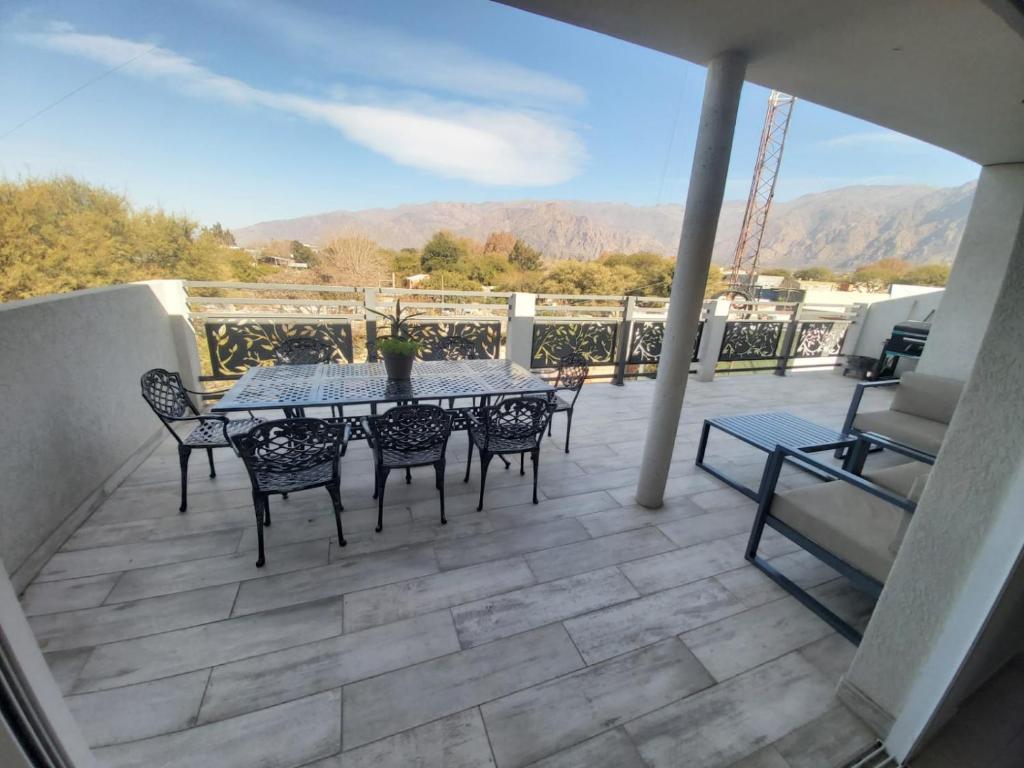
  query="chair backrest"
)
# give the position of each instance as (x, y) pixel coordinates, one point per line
(166, 395)
(286, 446)
(930, 397)
(303, 350)
(516, 421)
(411, 428)
(455, 348)
(572, 373)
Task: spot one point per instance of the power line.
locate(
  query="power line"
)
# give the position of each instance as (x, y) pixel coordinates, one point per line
(672, 135)
(71, 93)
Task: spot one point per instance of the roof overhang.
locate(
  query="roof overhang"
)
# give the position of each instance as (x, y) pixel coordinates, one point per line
(948, 72)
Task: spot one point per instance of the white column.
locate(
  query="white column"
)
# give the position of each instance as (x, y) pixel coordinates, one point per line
(716, 317)
(519, 339)
(700, 222)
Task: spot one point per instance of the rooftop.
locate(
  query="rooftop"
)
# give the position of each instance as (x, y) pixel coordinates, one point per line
(582, 631)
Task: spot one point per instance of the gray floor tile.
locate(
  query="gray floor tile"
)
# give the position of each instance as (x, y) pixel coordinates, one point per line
(66, 666)
(717, 727)
(382, 605)
(493, 617)
(508, 543)
(292, 528)
(832, 656)
(345, 575)
(683, 481)
(683, 566)
(393, 537)
(579, 557)
(129, 503)
(139, 711)
(751, 586)
(97, 534)
(589, 701)
(227, 569)
(634, 624)
(91, 562)
(551, 509)
(708, 527)
(628, 517)
(272, 678)
(763, 758)
(186, 650)
(284, 736)
(409, 697)
(456, 741)
(612, 749)
(110, 623)
(69, 595)
(748, 639)
(832, 739)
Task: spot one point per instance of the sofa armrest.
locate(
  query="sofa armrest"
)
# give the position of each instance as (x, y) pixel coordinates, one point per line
(858, 394)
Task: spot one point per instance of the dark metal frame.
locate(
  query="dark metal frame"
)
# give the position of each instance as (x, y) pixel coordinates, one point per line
(408, 430)
(858, 578)
(289, 447)
(851, 412)
(168, 397)
(303, 350)
(573, 370)
(736, 484)
(513, 426)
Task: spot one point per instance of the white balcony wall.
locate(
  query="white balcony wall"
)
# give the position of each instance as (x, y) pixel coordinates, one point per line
(73, 419)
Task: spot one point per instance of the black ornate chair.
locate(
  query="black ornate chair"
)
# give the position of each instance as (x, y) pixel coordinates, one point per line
(293, 455)
(455, 348)
(572, 373)
(169, 398)
(512, 426)
(405, 437)
(303, 350)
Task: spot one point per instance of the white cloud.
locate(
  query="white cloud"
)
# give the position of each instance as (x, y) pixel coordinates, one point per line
(501, 146)
(388, 55)
(871, 139)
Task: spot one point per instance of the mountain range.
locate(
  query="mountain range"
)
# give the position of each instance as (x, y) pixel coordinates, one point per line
(842, 228)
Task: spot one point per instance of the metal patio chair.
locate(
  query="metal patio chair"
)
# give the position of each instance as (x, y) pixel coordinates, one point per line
(512, 426)
(455, 348)
(572, 373)
(169, 398)
(291, 455)
(405, 437)
(304, 350)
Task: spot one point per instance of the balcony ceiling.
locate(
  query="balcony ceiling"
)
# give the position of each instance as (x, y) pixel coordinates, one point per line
(949, 72)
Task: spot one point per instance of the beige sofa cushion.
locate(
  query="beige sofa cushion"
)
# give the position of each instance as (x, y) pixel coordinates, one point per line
(906, 480)
(924, 434)
(930, 397)
(851, 524)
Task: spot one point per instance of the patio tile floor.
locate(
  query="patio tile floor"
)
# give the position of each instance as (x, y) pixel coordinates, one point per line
(584, 631)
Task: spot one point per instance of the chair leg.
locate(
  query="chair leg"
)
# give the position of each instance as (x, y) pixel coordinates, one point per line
(551, 418)
(485, 460)
(259, 502)
(335, 493)
(439, 474)
(408, 475)
(469, 458)
(382, 479)
(568, 428)
(376, 480)
(522, 463)
(535, 458)
(183, 453)
(266, 512)
(209, 455)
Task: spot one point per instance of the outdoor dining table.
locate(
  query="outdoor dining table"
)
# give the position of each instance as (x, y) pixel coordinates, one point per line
(329, 384)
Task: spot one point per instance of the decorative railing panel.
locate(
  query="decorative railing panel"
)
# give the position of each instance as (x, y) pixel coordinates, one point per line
(646, 338)
(238, 344)
(751, 340)
(553, 340)
(820, 339)
(485, 337)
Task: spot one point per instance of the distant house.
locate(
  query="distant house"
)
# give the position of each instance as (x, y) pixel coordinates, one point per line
(415, 281)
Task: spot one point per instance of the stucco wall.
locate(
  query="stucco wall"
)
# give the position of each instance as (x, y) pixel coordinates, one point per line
(72, 414)
(969, 515)
(883, 315)
(977, 272)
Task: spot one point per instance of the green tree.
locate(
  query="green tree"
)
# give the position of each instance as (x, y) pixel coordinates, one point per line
(302, 252)
(443, 251)
(220, 234)
(776, 272)
(820, 274)
(881, 274)
(927, 274)
(716, 284)
(452, 281)
(525, 257)
(406, 262)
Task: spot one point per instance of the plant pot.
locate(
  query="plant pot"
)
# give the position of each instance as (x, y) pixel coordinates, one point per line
(398, 365)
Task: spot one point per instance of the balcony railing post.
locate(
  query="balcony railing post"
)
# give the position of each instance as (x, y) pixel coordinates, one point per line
(787, 342)
(625, 334)
(370, 301)
(522, 308)
(716, 316)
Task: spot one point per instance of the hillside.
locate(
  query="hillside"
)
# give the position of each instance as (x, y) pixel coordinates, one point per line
(842, 228)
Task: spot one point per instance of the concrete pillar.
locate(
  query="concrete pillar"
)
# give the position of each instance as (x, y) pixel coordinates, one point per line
(711, 341)
(955, 566)
(172, 295)
(519, 341)
(700, 222)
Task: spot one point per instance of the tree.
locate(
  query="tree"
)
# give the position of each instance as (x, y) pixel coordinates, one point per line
(500, 243)
(525, 257)
(716, 283)
(820, 274)
(442, 251)
(220, 234)
(927, 274)
(881, 274)
(451, 281)
(302, 252)
(406, 262)
(353, 260)
(776, 272)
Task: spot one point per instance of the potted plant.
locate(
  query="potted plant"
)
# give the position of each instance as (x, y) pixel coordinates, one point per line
(398, 349)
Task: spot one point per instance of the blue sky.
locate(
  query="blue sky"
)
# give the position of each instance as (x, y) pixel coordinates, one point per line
(238, 111)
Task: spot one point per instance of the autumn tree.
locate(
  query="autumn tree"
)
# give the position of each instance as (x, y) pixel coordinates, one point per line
(927, 274)
(500, 243)
(881, 274)
(353, 260)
